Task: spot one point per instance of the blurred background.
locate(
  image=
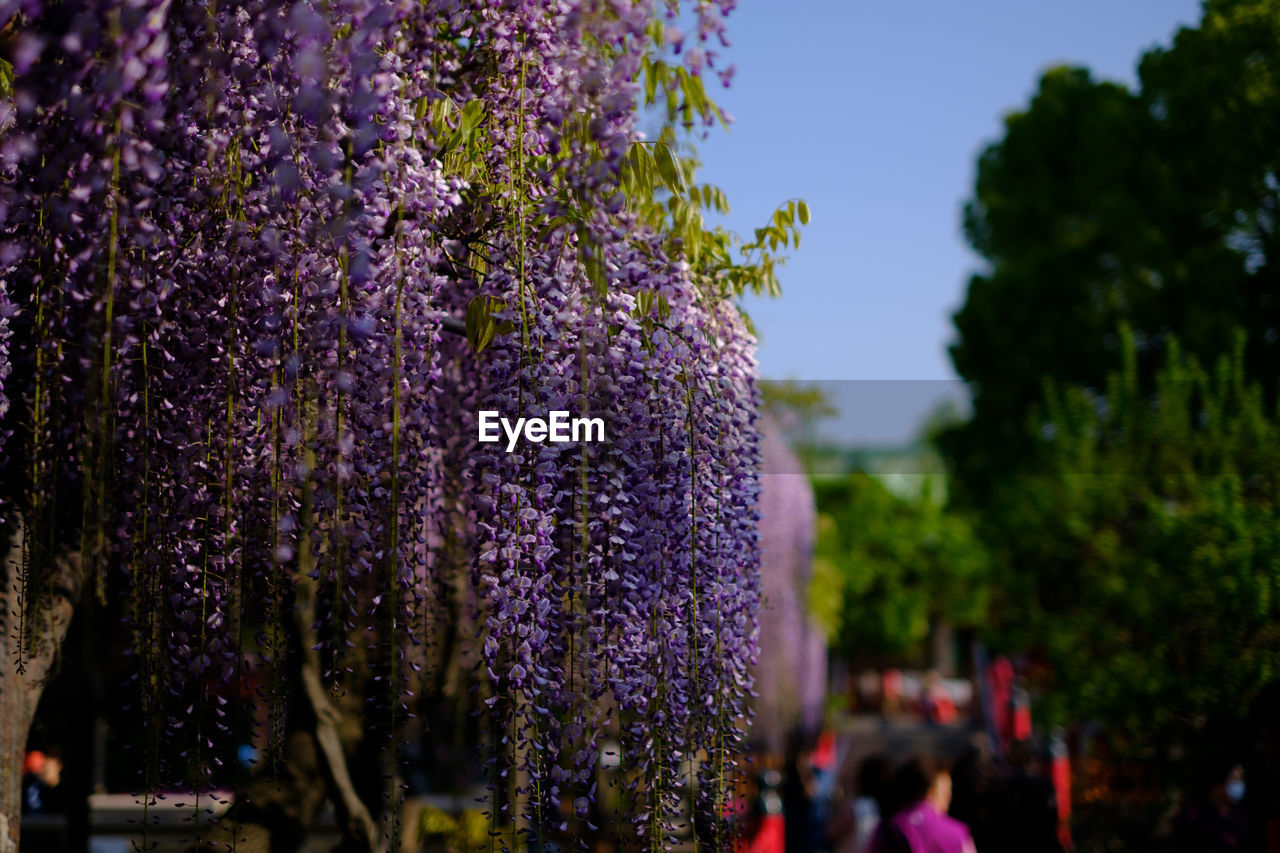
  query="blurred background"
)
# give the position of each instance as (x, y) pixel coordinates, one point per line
(1025, 368)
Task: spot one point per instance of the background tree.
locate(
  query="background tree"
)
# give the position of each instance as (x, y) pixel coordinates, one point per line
(890, 568)
(1126, 494)
(1101, 205)
(1151, 526)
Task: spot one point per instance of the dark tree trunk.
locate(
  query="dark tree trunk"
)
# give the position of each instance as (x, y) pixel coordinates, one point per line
(274, 813)
(25, 667)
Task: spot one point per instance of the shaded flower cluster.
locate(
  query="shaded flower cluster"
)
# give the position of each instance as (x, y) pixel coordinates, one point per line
(628, 575)
(236, 241)
(792, 667)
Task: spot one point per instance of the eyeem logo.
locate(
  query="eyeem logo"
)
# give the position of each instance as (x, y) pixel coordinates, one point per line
(557, 427)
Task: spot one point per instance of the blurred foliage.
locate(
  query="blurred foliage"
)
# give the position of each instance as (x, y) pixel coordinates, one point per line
(1158, 207)
(461, 833)
(789, 398)
(1127, 494)
(1142, 557)
(795, 408)
(888, 567)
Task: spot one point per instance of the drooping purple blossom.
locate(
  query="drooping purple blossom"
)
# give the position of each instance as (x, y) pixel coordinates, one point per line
(792, 662)
(230, 245)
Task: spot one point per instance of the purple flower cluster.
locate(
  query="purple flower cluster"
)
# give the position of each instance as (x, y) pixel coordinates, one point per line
(792, 670)
(6, 308)
(711, 31)
(622, 575)
(231, 239)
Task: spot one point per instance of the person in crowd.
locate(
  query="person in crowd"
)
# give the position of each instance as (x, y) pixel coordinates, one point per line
(1212, 820)
(799, 790)
(807, 787)
(1028, 818)
(766, 827)
(917, 821)
(41, 776)
(975, 791)
(857, 812)
(823, 762)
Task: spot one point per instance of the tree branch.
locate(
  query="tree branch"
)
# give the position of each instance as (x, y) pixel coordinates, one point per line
(353, 815)
(20, 689)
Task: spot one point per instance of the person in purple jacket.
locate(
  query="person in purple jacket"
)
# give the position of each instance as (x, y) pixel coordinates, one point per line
(919, 823)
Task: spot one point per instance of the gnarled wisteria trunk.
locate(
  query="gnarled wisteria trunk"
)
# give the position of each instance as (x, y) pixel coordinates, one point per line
(24, 672)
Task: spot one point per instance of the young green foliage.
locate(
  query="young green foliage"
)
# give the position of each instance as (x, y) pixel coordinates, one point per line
(1140, 556)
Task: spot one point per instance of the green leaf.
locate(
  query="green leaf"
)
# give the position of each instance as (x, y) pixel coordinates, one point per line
(472, 114)
(652, 76)
(669, 169)
(481, 326)
(803, 210)
(591, 257)
(438, 113)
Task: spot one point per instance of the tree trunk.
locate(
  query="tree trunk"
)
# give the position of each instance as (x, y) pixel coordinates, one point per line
(358, 827)
(944, 648)
(24, 671)
(273, 816)
(274, 813)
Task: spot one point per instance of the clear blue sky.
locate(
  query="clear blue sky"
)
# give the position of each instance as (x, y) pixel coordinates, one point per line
(874, 112)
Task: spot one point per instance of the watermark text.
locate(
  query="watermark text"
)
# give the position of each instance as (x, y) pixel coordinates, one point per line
(558, 427)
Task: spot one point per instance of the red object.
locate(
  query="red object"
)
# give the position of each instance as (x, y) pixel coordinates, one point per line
(33, 764)
(1021, 715)
(1022, 722)
(1000, 674)
(771, 836)
(1062, 785)
(824, 753)
(1060, 768)
(942, 709)
(892, 684)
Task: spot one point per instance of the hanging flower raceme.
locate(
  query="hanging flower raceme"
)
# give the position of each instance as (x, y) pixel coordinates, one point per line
(238, 241)
(793, 658)
(620, 568)
(6, 308)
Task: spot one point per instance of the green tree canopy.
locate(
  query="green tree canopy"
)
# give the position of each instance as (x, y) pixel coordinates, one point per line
(1156, 207)
(1142, 559)
(888, 567)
